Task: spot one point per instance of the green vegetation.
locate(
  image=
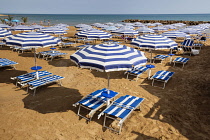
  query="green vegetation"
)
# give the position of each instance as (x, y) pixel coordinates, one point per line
(24, 19)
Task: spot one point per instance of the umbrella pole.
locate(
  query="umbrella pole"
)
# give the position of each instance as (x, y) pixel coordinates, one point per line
(35, 56)
(108, 77)
(150, 56)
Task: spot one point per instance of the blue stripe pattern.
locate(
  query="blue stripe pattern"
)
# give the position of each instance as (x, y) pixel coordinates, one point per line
(4, 33)
(154, 42)
(44, 80)
(95, 99)
(181, 59)
(6, 62)
(32, 39)
(123, 106)
(32, 75)
(163, 75)
(109, 57)
(187, 42)
(94, 34)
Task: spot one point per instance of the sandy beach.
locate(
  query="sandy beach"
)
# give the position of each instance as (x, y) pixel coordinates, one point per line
(178, 112)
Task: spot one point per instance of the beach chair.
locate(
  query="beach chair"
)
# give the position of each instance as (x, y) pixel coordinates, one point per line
(44, 53)
(93, 102)
(160, 57)
(63, 44)
(181, 60)
(189, 50)
(187, 42)
(137, 71)
(51, 56)
(4, 62)
(33, 85)
(21, 49)
(162, 76)
(120, 109)
(23, 79)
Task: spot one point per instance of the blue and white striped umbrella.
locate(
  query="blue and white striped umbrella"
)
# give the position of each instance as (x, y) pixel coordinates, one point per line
(5, 26)
(159, 28)
(111, 28)
(145, 30)
(154, 42)
(35, 27)
(108, 57)
(174, 34)
(32, 39)
(4, 33)
(94, 34)
(21, 28)
(52, 30)
(81, 25)
(125, 31)
(190, 31)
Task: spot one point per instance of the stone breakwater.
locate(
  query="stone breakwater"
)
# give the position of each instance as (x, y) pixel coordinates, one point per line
(167, 21)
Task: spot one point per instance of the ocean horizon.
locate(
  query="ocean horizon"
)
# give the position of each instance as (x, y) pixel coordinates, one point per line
(73, 19)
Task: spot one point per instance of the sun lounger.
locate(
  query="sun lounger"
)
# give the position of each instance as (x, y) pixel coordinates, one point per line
(189, 50)
(33, 85)
(162, 76)
(160, 57)
(120, 109)
(137, 71)
(21, 49)
(23, 79)
(44, 53)
(181, 60)
(53, 55)
(4, 62)
(93, 102)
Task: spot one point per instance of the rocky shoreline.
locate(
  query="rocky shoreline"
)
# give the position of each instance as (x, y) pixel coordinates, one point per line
(167, 21)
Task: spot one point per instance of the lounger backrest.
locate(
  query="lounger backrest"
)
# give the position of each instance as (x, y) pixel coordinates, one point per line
(188, 42)
(187, 49)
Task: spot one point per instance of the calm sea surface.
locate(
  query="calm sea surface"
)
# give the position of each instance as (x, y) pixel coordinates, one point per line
(73, 19)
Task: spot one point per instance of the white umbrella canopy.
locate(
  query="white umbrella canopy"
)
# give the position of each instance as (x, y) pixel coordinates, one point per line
(174, 34)
(93, 34)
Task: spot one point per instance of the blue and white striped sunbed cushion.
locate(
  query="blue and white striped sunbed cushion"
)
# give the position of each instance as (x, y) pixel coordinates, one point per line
(163, 75)
(32, 75)
(47, 52)
(138, 70)
(123, 106)
(44, 80)
(187, 42)
(181, 59)
(6, 62)
(95, 99)
(161, 57)
(56, 54)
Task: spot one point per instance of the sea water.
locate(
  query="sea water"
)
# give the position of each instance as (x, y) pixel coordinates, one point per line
(73, 19)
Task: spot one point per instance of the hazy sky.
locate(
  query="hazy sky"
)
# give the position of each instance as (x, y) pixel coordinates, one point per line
(104, 6)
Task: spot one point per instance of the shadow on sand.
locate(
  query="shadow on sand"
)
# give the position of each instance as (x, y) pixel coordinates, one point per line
(52, 99)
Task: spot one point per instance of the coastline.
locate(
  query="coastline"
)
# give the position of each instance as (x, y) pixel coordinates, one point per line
(1, 15)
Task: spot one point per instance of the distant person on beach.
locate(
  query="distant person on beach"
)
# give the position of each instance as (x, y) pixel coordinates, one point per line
(48, 22)
(41, 23)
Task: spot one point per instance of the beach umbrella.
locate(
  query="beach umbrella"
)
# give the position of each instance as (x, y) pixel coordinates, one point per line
(154, 42)
(4, 33)
(93, 34)
(21, 28)
(145, 30)
(15, 20)
(33, 40)
(4, 26)
(52, 30)
(108, 58)
(190, 31)
(36, 27)
(118, 25)
(109, 23)
(85, 28)
(169, 27)
(159, 28)
(81, 25)
(125, 31)
(174, 34)
(111, 28)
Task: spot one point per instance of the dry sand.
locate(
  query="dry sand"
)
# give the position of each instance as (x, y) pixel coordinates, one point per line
(179, 112)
